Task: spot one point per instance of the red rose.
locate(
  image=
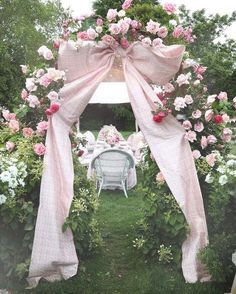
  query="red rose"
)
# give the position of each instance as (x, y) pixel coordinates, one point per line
(56, 43)
(218, 119)
(54, 107)
(80, 153)
(48, 111)
(157, 118)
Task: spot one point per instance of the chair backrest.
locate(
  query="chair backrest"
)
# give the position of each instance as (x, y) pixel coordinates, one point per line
(112, 164)
(89, 137)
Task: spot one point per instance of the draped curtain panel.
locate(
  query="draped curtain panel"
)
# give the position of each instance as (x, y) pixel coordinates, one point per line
(53, 255)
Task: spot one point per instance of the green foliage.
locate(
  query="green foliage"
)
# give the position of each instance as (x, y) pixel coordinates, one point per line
(163, 227)
(18, 212)
(81, 218)
(102, 6)
(217, 56)
(220, 205)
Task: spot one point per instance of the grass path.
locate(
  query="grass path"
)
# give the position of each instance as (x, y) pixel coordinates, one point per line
(118, 269)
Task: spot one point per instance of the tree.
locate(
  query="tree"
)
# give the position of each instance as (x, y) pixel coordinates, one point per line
(218, 57)
(102, 6)
(25, 26)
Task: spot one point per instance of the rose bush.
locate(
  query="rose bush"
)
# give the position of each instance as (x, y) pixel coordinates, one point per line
(21, 161)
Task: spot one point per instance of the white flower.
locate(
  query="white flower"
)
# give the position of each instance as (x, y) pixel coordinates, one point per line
(189, 63)
(13, 170)
(33, 101)
(173, 22)
(223, 180)
(3, 199)
(221, 169)
(121, 13)
(211, 99)
(209, 179)
(5, 176)
(99, 29)
(231, 162)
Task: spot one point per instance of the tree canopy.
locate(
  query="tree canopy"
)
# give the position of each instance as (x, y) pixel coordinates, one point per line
(25, 26)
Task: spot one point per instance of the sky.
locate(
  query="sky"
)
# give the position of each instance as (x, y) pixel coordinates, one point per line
(212, 6)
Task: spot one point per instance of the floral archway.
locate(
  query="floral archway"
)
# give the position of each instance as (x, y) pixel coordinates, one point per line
(54, 256)
(84, 63)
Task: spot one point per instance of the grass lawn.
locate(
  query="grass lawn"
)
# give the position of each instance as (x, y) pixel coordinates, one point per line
(118, 268)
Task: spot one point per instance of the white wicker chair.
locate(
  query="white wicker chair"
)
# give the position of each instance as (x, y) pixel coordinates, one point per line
(111, 168)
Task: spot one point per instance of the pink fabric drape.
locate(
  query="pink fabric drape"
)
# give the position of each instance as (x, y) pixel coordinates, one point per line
(53, 255)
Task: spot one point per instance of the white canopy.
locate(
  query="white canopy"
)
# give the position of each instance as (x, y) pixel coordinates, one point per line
(110, 93)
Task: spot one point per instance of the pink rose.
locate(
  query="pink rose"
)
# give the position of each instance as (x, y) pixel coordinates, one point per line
(160, 178)
(24, 94)
(14, 126)
(152, 27)
(27, 132)
(211, 159)
(99, 22)
(209, 115)
(196, 154)
(30, 84)
(179, 103)
(191, 136)
(211, 139)
(114, 28)
(188, 99)
(45, 81)
(146, 42)
(82, 36)
(42, 126)
(39, 73)
(124, 26)
(187, 125)
(8, 116)
(33, 101)
(169, 8)
(162, 32)
(127, 4)
(178, 31)
(91, 34)
(183, 79)
(10, 146)
(199, 69)
(223, 96)
(39, 149)
(54, 74)
(226, 135)
(204, 142)
(157, 43)
(111, 14)
(225, 118)
(197, 114)
(211, 99)
(110, 41)
(124, 43)
(52, 95)
(168, 88)
(198, 127)
(48, 55)
(134, 24)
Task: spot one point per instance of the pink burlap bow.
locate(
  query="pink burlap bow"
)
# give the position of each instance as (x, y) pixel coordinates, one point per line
(54, 256)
